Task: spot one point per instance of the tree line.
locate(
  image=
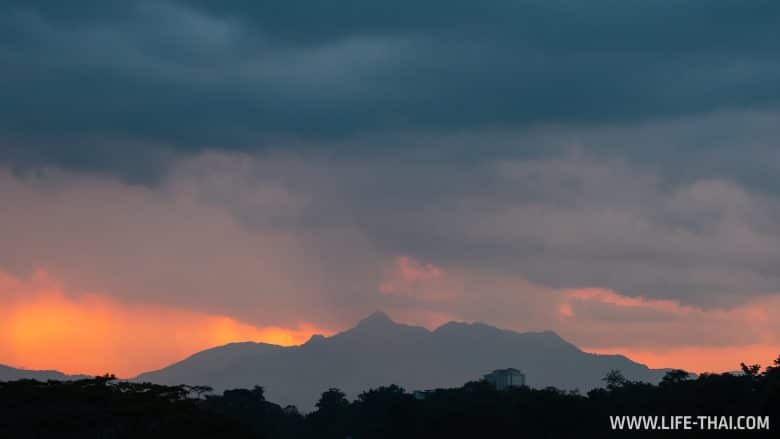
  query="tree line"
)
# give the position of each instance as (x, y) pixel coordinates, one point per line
(104, 407)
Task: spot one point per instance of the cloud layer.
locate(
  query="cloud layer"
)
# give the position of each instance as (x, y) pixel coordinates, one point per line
(185, 75)
(607, 171)
(609, 255)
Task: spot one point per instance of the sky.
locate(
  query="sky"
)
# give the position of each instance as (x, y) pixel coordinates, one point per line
(179, 174)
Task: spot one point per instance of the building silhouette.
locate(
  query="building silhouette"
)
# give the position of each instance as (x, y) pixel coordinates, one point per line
(505, 378)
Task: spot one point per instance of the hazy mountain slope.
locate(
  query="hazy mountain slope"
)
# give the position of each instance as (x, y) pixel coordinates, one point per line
(212, 363)
(378, 352)
(11, 374)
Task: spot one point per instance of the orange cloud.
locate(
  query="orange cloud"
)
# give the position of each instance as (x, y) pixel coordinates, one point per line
(410, 277)
(612, 298)
(41, 327)
(415, 271)
(666, 333)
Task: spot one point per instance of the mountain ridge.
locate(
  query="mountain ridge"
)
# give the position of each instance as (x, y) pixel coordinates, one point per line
(8, 373)
(378, 351)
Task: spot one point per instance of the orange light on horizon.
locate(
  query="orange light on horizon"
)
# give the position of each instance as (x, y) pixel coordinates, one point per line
(41, 327)
(698, 359)
(94, 334)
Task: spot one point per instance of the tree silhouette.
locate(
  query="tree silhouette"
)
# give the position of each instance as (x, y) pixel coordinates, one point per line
(751, 370)
(331, 420)
(614, 379)
(675, 376)
(104, 407)
(332, 399)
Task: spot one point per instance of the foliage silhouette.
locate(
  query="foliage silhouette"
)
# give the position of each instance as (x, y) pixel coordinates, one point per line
(104, 407)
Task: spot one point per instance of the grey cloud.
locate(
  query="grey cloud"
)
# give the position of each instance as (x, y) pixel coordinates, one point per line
(269, 160)
(565, 222)
(608, 225)
(274, 239)
(243, 75)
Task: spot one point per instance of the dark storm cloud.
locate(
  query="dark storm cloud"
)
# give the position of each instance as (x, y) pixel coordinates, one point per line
(186, 75)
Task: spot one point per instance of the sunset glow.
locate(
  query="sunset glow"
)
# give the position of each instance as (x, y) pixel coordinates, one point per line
(284, 220)
(44, 326)
(699, 359)
(94, 334)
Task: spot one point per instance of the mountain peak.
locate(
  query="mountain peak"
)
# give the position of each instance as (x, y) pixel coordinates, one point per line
(381, 325)
(376, 318)
(379, 351)
(315, 338)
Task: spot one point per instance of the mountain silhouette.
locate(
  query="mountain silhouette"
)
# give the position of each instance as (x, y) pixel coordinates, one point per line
(379, 351)
(8, 373)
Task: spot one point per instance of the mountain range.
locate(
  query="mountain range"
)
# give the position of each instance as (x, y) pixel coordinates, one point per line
(379, 351)
(8, 373)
